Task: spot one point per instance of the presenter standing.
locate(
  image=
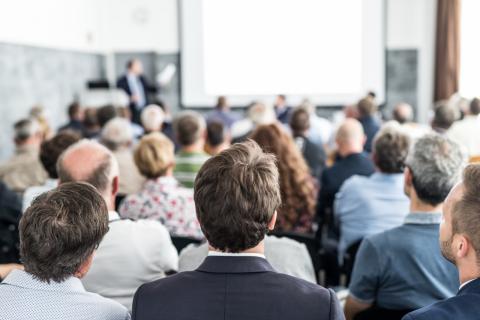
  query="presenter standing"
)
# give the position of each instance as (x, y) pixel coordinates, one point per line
(136, 87)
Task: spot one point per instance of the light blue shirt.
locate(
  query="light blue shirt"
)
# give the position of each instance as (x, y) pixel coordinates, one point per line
(136, 88)
(369, 205)
(24, 297)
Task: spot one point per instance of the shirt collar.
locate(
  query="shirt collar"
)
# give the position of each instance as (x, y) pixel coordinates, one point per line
(113, 215)
(465, 283)
(229, 254)
(24, 279)
(235, 264)
(423, 218)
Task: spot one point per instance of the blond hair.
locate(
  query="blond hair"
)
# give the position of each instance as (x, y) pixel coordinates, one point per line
(154, 155)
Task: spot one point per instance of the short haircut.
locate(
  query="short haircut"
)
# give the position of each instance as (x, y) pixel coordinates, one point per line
(216, 133)
(73, 109)
(51, 150)
(117, 133)
(436, 164)
(130, 63)
(152, 118)
(189, 127)
(465, 214)
(403, 113)
(475, 106)
(444, 115)
(25, 128)
(236, 194)
(105, 114)
(300, 121)
(390, 147)
(154, 155)
(61, 229)
(366, 107)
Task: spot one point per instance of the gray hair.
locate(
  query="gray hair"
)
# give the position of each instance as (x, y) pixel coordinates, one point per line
(436, 164)
(117, 133)
(152, 118)
(25, 128)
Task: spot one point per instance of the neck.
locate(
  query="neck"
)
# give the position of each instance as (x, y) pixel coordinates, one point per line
(348, 150)
(258, 249)
(196, 147)
(219, 148)
(416, 205)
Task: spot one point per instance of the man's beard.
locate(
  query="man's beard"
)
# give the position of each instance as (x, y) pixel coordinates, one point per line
(446, 248)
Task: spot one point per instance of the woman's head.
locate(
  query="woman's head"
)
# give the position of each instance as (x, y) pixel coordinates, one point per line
(154, 155)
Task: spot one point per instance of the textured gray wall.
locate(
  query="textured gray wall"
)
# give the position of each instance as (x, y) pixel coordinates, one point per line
(49, 77)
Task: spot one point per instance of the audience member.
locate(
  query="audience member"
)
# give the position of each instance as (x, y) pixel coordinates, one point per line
(444, 116)
(161, 198)
(222, 113)
(296, 185)
(117, 136)
(402, 268)
(24, 169)
(59, 234)
(218, 138)
(50, 151)
(467, 130)
(105, 114)
(152, 118)
(37, 113)
(125, 113)
(76, 117)
(190, 133)
(313, 154)
(403, 113)
(282, 110)
(132, 252)
(285, 255)
(258, 114)
(90, 122)
(366, 111)
(10, 214)
(236, 196)
(321, 130)
(460, 244)
(367, 205)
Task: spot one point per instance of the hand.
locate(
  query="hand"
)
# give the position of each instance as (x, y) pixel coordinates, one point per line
(5, 269)
(134, 98)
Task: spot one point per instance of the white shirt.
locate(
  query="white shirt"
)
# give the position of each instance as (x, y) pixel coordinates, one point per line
(131, 254)
(466, 133)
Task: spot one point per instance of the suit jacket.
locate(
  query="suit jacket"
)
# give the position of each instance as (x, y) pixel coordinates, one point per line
(234, 288)
(465, 306)
(370, 126)
(122, 83)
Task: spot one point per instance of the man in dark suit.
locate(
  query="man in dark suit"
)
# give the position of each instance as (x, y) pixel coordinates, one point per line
(136, 87)
(460, 244)
(282, 110)
(236, 198)
(367, 108)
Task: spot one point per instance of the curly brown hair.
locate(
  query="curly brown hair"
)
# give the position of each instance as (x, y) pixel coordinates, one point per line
(296, 185)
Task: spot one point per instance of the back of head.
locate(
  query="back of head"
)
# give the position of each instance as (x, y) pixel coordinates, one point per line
(91, 119)
(25, 129)
(403, 113)
(236, 194)
(105, 114)
(189, 127)
(390, 148)
(117, 133)
(216, 133)
(51, 150)
(260, 114)
(222, 103)
(88, 161)
(74, 110)
(444, 115)
(154, 155)
(350, 132)
(152, 118)
(475, 106)
(299, 121)
(366, 107)
(436, 164)
(60, 231)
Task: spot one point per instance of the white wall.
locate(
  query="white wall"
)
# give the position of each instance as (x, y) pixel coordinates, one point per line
(411, 25)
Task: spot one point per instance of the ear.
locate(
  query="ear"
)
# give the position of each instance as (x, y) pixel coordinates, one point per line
(82, 271)
(271, 224)
(407, 176)
(461, 246)
(115, 186)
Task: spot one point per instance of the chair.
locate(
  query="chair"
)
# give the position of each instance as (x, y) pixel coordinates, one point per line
(181, 242)
(349, 260)
(376, 313)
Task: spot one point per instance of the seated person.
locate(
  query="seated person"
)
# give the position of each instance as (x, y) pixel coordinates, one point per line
(73, 220)
(161, 197)
(189, 128)
(369, 205)
(50, 151)
(285, 255)
(460, 240)
(10, 214)
(222, 113)
(218, 138)
(402, 268)
(132, 252)
(236, 195)
(367, 108)
(76, 115)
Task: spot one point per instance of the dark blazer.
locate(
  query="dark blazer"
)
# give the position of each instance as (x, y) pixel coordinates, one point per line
(234, 288)
(464, 306)
(122, 83)
(313, 154)
(10, 214)
(370, 126)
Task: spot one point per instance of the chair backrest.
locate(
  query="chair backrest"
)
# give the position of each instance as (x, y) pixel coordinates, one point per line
(349, 260)
(181, 242)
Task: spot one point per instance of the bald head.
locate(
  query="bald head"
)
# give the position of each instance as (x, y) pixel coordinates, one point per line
(350, 137)
(403, 113)
(91, 162)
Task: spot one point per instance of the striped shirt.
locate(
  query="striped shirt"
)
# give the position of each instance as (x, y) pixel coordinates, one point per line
(187, 164)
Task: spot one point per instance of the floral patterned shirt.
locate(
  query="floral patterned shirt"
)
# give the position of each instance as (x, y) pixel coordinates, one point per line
(165, 200)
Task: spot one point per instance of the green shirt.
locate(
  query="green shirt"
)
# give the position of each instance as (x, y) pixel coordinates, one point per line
(187, 164)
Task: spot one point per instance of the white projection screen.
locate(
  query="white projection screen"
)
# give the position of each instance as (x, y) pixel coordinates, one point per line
(331, 52)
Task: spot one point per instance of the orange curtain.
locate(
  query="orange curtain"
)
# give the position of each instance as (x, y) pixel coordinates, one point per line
(447, 54)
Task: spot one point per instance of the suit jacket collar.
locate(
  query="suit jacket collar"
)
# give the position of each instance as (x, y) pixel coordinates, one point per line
(217, 264)
(471, 287)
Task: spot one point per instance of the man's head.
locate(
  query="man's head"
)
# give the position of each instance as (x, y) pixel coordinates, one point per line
(28, 132)
(300, 121)
(460, 227)
(390, 148)
(135, 67)
(366, 107)
(281, 100)
(51, 150)
(60, 231)
(89, 161)
(350, 137)
(117, 134)
(222, 103)
(434, 166)
(105, 114)
(152, 118)
(218, 137)
(444, 116)
(475, 106)
(189, 127)
(236, 196)
(75, 111)
(260, 114)
(403, 113)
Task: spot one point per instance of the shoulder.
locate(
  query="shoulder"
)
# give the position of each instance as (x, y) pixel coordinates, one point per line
(453, 308)
(355, 182)
(108, 308)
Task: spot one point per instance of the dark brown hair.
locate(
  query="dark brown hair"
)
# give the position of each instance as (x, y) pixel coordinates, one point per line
(236, 194)
(51, 150)
(390, 149)
(61, 229)
(300, 121)
(366, 106)
(188, 127)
